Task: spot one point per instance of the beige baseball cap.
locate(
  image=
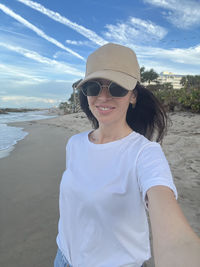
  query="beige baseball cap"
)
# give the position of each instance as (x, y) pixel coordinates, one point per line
(113, 62)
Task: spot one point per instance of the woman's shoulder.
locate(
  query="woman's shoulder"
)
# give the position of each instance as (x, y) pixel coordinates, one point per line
(78, 137)
(143, 142)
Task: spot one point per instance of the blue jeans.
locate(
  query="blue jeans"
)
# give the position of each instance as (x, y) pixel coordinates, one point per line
(61, 261)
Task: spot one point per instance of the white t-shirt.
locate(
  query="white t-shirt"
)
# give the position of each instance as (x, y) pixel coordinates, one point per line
(103, 220)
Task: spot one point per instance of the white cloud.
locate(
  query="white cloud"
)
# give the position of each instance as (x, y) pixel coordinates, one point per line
(63, 68)
(57, 17)
(135, 30)
(182, 14)
(78, 42)
(189, 56)
(180, 61)
(149, 27)
(37, 30)
(60, 54)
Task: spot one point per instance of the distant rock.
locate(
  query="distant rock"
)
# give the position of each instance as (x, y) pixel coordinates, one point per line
(3, 111)
(7, 110)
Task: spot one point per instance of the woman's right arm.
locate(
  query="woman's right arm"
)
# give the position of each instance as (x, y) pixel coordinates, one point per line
(174, 242)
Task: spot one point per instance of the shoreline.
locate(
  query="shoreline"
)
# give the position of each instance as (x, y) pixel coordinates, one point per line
(31, 174)
(5, 152)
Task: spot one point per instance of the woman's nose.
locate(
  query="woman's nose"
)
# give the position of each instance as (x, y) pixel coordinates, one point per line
(104, 93)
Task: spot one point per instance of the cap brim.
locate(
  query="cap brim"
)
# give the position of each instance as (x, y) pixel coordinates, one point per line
(126, 81)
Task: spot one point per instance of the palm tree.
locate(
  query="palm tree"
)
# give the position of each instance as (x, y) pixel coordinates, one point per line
(148, 76)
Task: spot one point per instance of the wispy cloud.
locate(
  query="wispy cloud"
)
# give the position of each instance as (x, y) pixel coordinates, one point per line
(15, 70)
(149, 28)
(7, 30)
(39, 32)
(135, 30)
(73, 42)
(91, 35)
(182, 14)
(44, 60)
(20, 74)
(179, 61)
(184, 57)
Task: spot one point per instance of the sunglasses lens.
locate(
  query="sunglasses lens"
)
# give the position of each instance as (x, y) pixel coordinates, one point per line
(91, 89)
(117, 91)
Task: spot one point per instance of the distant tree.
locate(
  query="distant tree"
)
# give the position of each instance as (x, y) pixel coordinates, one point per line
(72, 104)
(65, 107)
(148, 76)
(142, 70)
(71, 99)
(183, 81)
(190, 81)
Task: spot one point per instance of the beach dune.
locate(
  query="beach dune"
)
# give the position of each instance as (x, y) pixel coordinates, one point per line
(31, 174)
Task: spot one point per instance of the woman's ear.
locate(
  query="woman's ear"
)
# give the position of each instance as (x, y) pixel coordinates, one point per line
(133, 98)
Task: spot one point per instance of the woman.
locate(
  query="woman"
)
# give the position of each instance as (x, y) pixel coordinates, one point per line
(115, 174)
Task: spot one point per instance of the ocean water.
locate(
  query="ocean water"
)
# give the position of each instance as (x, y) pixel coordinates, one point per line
(10, 135)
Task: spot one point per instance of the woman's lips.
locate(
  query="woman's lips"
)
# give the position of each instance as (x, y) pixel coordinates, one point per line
(104, 109)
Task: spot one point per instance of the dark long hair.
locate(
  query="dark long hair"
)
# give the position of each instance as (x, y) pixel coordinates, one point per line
(148, 117)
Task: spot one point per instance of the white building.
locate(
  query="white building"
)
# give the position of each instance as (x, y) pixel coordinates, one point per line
(168, 77)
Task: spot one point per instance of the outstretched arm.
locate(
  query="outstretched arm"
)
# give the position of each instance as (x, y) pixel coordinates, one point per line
(174, 242)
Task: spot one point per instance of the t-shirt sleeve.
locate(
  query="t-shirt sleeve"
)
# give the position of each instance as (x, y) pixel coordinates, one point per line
(68, 153)
(153, 169)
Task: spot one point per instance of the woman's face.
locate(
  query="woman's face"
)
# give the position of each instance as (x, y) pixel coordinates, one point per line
(107, 109)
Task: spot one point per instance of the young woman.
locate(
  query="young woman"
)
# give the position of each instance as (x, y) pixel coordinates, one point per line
(115, 174)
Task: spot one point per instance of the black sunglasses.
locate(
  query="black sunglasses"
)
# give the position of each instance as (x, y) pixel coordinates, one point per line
(93, 88)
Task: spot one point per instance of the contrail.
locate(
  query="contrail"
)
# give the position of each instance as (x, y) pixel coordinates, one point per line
(37, 30)
(57, 17)
(37, 57)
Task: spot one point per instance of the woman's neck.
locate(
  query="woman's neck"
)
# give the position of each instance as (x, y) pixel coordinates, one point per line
(105, 134)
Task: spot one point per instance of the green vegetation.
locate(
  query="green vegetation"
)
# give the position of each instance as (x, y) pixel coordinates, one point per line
(167, 96)
(65, 107)
(186, 98)
(190, 99)
(190, 93)
(69, 106)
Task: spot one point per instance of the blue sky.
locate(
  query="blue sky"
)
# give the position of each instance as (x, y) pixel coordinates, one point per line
(44, 44)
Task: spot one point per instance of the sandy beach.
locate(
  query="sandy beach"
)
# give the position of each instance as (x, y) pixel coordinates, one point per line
(30, 177)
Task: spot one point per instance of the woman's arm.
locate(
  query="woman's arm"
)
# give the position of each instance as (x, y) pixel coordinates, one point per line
(174, 242)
